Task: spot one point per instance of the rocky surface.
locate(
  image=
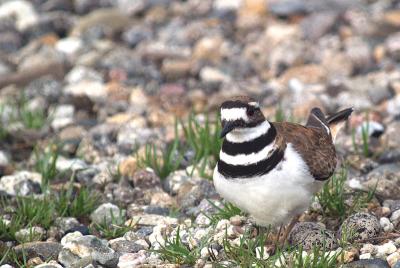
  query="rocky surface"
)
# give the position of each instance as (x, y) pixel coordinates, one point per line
(88, 87)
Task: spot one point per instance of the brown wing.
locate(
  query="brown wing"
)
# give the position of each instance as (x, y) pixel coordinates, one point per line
(313, 144)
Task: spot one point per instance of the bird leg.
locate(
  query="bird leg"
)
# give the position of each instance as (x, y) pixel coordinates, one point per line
(289, 229)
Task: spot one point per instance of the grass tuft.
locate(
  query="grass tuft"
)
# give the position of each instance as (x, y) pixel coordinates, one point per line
(227, 211)
(46, 163)
(333, 197)
(115, 228)
(76, 204)
(163, 162)
(365, 150)
(175, 251)
(279, 114)
(34, 211)
(8, 229)
(319, 257)
(201, 138)
(9, 256)
(249, 252)
(30, 118)
(3, 130)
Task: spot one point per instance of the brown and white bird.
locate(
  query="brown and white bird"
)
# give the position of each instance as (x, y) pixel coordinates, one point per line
(272, 170)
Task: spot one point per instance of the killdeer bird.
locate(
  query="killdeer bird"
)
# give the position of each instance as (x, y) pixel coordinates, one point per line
(272, 170)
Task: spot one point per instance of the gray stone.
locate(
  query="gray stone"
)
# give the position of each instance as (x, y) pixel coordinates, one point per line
(86, 6)
(146, 179)
(375, 129)
(175, 180)
(86, 249)
(82, 73)
(288, 7)
(74, 164)
(395, 218)
(386, 178)
(136, 34)
(392, 204)
(131, 135)
(359, 53)
(152, 220)
(123, 194)
(10, 41)
(68, 259)
(362, 225)
(125, 246)
(392, 44)
(107, 213)
(22, 183)
(318, 24)
(34, 233)
(371, 263)
(45, 86)
(43, 250)
(23, 12)
(390, 156)
(4, 159)
(128, 260)
(95, 91)
(63, 115)
(86, 176)
(213, 75)
(49, 265)
(66, 223)
(192, 193)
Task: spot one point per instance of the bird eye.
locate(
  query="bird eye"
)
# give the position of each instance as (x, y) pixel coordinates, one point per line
(250, 111)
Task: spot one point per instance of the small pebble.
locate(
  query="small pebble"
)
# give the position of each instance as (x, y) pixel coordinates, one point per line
(386, 225)
(386, 249)
(393, 258)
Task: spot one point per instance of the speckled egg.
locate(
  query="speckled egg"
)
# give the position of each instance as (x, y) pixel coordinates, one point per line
(362, 225)
(309, 234)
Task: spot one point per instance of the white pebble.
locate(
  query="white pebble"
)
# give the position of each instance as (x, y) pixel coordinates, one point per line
(395, 218)
(393, 258)
(386, 249)
(368, 248)
(365, 256)
(131, 259)
(6, 266)
(230, 232)
(386, 225)
(143, 243)
(222, 224)
(70, 45)
(68, 238)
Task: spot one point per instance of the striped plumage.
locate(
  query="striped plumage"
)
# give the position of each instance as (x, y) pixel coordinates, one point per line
(271, 170)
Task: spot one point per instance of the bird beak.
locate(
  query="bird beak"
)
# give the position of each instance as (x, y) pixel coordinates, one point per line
(227, 127)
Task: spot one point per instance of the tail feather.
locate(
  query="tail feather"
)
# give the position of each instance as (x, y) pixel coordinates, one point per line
(338, 120)
(317, 119)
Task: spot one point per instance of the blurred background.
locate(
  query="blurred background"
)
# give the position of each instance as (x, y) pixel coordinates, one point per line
(97, 86)
(138, 64)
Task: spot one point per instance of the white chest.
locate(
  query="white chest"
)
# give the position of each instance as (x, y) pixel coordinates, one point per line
(275, 197)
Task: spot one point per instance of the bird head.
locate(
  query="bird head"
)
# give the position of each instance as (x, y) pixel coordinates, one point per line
(240, 114)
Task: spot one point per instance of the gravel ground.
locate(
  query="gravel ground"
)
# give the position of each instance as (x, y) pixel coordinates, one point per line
(108, 132)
